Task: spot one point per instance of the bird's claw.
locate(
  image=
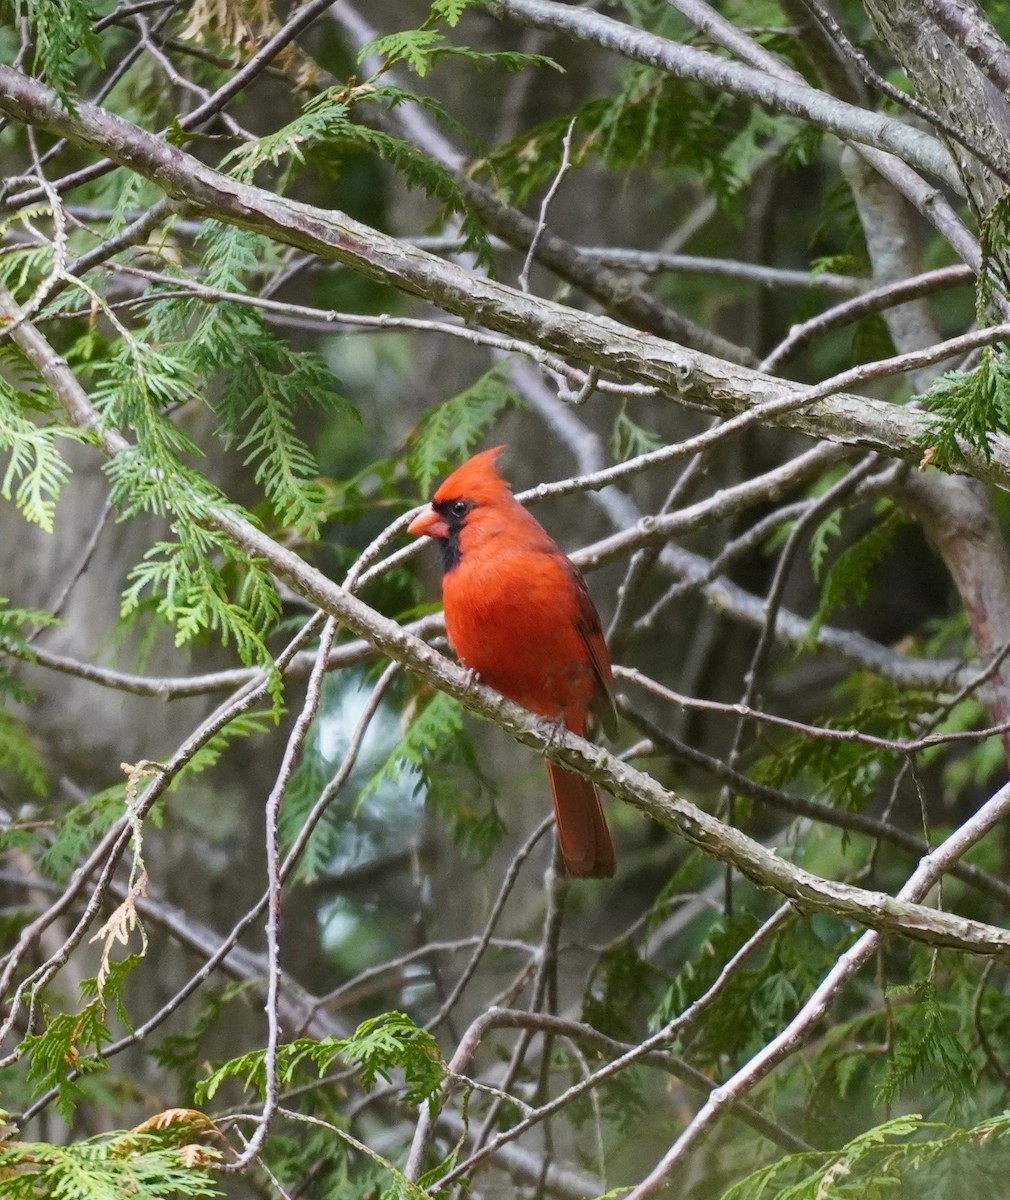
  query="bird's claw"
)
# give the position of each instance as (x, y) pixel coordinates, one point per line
(555, 727)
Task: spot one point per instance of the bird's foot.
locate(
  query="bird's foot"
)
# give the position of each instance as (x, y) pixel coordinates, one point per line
(555, 728)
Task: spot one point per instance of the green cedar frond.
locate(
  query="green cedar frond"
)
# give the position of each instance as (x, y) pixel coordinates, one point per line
(134, 191)
(450, 11)
(262, 381)
(628, 440)
(843, 774)
(967, 409)
(994, 230)
(12, 620)
(183, 1050)
(532, 157)
(379, 1047)
(143, 1164)
(927, 1044)
(871, 340)
(653, 122)
(620, 972)
(77, 830)
(23, 267)
(896, 1159)
(232, 259)
(846, 773)
(336, 1170)
(202, 582)
(136, 388)
(70, 1040)
(193, 593)
(145, 479)
(35, 471)
(758, 999)
(436, 734)
(325, 132)
(449, 432)
(241, 726)
(415, 47)
(827, 529)
(848, 578)
(108, 988)
(434, 755)
(261, 392)
(18, 753)
(62, 29)
(745, 152)
(420, 50)
(623, 1098)
(390, 1041)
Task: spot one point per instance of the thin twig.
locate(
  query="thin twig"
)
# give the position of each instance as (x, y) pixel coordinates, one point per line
(538, 233)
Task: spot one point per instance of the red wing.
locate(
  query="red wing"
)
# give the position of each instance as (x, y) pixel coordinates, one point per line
(591, 631)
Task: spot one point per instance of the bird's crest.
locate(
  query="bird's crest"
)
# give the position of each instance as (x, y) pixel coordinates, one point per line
(478, 479)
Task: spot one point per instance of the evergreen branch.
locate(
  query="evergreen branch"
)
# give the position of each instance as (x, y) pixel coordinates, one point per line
(307, 316)
(296, 22)
(62, 28)
(620, 299)
(105, 856)
(870, 301)
(924, 196)
(797, 806)
(470, 1042)
(903, 670)
(35, 471)
(123, 1163)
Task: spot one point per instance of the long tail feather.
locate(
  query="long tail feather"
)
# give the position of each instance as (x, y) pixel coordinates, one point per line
(583, 835)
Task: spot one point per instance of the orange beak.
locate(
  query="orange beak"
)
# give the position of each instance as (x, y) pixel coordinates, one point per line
(428, 523)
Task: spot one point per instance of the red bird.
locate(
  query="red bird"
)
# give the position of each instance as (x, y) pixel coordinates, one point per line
(518, 613)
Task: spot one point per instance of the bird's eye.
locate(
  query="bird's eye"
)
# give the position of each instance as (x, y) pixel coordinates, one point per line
(458, 508)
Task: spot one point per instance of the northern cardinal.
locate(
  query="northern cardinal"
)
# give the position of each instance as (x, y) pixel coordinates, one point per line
(518, 613)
